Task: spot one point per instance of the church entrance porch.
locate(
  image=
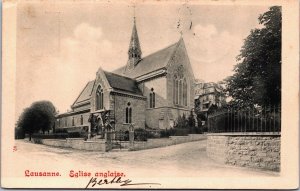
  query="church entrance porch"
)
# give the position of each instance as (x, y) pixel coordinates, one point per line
(101, 123)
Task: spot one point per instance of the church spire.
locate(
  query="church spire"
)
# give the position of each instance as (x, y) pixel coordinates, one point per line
(134, 51)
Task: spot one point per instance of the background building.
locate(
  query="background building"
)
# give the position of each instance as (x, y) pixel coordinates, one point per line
(208, 94)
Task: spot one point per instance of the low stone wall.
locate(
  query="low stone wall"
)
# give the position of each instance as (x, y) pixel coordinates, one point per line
(255, 150)
(100, 145)
(163, 142)
(77, 143)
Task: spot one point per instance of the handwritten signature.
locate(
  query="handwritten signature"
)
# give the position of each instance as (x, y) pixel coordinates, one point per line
(116, 180)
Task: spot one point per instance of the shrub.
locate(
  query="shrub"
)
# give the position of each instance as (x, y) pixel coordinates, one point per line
(140, 135)
(50, 136)
(122, 135)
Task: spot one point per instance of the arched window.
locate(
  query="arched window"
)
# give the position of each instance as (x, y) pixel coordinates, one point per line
(180, 92)
(99, 98)
(58, 122)
(152, 98)
(128, 113)
(66, 122)
(81, 120)
(184, 92)
(174, 90)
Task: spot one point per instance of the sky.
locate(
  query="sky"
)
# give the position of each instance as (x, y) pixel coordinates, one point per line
(60, 46)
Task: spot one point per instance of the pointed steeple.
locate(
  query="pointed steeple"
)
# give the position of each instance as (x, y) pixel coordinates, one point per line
(134, 51)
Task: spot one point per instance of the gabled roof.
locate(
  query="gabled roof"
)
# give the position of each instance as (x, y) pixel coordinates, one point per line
(123, 83)
(150, 63)
(85, 93)
(116, 81)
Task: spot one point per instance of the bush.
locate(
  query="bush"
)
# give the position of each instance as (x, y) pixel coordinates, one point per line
(61, 130)
(74, 135)
(174, 132)
(122, 135)
(140, 135)
(50, 136)
(153, 133)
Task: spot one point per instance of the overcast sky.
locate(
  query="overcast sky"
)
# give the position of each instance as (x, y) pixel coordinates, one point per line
(60, 46)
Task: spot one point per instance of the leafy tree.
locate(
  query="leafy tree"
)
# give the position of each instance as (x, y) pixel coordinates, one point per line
(39, 116)
(257, 77)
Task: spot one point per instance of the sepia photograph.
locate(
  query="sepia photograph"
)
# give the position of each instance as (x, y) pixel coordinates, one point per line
(150, 94)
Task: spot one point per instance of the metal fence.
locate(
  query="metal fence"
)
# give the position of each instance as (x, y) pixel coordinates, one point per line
(258, 119)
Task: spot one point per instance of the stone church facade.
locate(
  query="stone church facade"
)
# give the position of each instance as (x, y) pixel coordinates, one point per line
(148, 92)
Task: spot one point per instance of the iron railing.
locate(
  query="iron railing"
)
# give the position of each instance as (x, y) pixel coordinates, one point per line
(257, 119)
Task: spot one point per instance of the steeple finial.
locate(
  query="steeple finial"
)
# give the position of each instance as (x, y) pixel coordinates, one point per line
(134, 13)
(134, 51)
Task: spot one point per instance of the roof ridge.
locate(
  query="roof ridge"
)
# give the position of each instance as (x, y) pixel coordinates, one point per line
(80, 93)
(160, 50)
(93, 81)
(174, 52)
(119, 75)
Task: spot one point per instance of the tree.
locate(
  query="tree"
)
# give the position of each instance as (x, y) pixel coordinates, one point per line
(257, 77)
(39, 116)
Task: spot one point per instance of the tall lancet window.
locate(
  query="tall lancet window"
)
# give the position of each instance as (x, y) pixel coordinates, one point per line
(128, 118)
(99, 98)
(152, 98)
(184, 92)
(180, 91)
(175, 90)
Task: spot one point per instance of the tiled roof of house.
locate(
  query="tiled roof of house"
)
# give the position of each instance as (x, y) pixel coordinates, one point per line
(150, 63)
(123, 83)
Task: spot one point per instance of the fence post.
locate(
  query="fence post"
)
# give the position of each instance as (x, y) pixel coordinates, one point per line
(261, 119)
(274, 119)
(233, 120)
(238, 115)
(228, 118)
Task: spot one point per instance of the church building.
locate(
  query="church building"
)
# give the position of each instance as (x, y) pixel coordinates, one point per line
(147, 92)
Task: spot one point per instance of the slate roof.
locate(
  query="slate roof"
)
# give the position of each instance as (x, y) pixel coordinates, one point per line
(123, 83)
(150, 63)
(116, 81)
(124, 80)
(85, 93)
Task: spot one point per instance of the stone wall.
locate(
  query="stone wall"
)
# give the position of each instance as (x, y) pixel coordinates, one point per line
(163, 142)
(217, 147)
(159, 88)
(76, 143)
(254, 150)
(101, 145)
(138, 112)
